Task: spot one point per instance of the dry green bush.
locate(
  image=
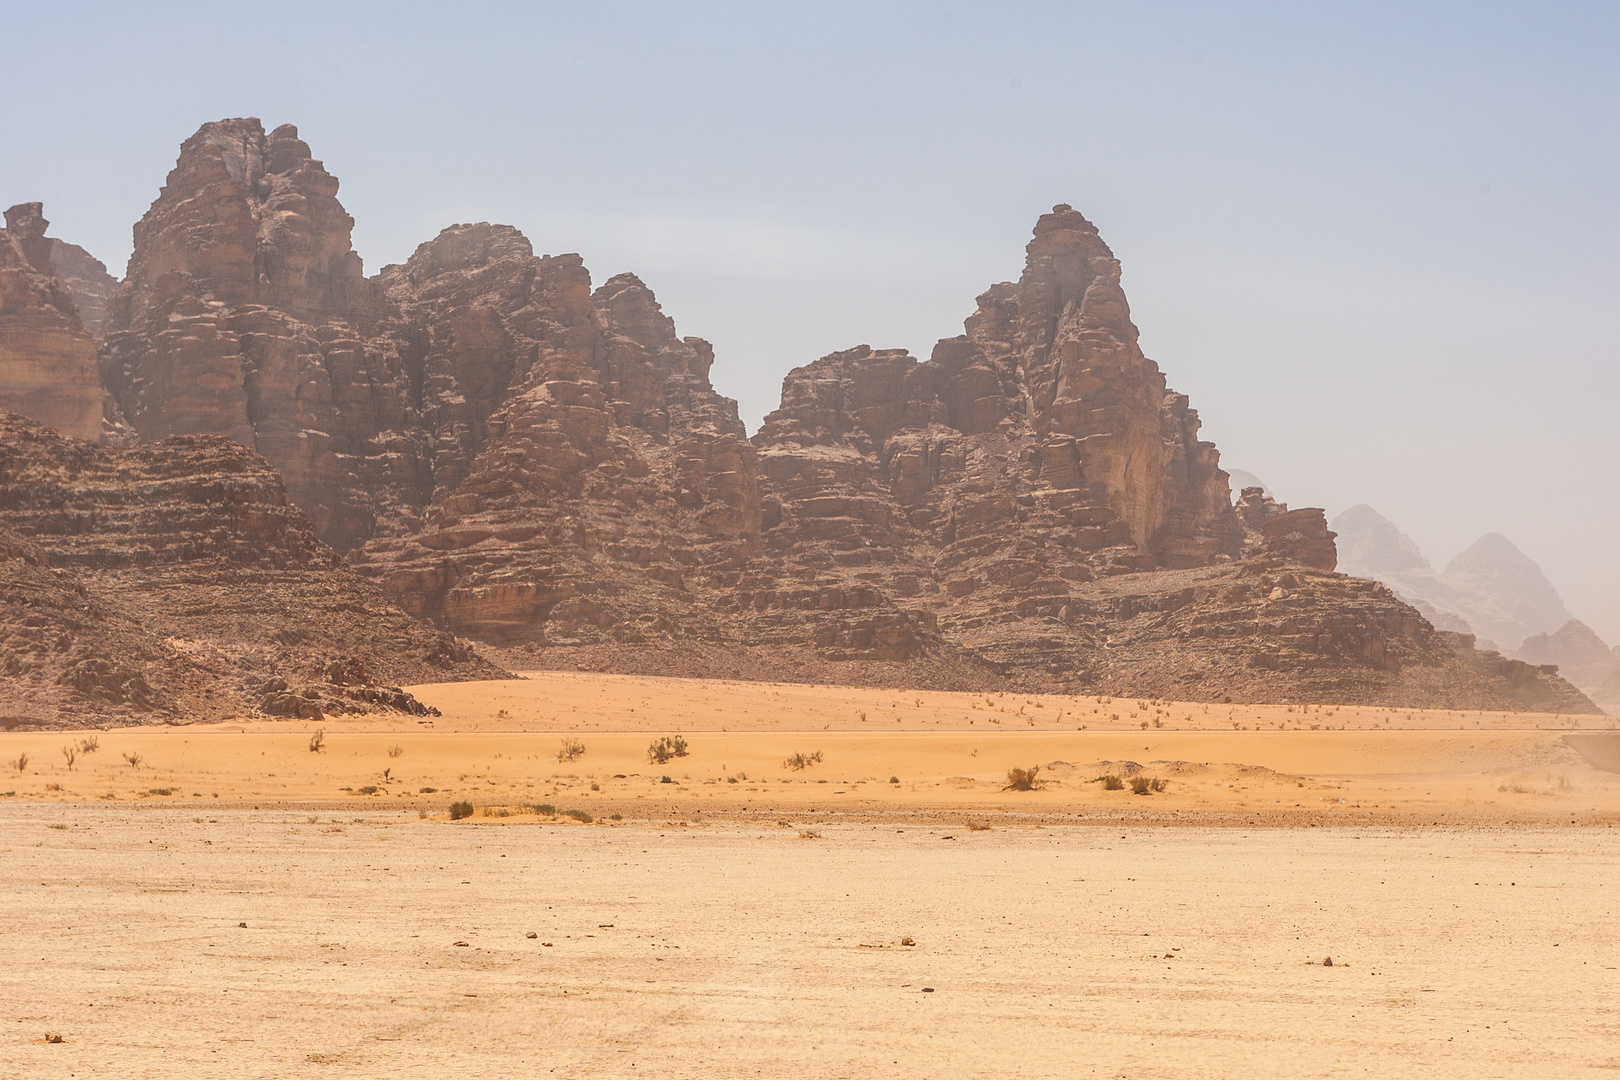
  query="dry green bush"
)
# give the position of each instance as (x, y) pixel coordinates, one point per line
(396, 750)
(665, 749)
(1023, 779)
(459, 810)
(571, 750)
(20, 762)
(71, 753)
(90, 744)
(1111, 782)
(801, 761)
(317, 741)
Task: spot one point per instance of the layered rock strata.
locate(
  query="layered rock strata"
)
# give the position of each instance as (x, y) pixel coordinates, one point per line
(584, 468)
(47, 357)
(245, 313)
(515, 456)
(177, 582)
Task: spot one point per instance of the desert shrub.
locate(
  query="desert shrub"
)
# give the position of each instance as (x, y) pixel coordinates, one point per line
(894, 779)
(459, 810)
(571, 750)
(396, 750)
(665, 779)
(1111, 782)
(1157, 784)
(801, 761)
(578, 815)
(810, 834)
(90, 744)
(426, 790)
(615, 817)
(731, 779)
(1140, 785)
(20, 762)
(53, 787)
(978, 826)
(317, 741)
(71, 753)
(665, 749)
(160, 791)
(369, 789)
(545, 809)
(1022, 779)
(134, 759)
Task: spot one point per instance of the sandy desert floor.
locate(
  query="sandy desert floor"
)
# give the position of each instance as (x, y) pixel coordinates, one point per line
(747, 918)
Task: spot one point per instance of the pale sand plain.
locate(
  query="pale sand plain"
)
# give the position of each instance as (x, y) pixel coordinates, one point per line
(1461, 869)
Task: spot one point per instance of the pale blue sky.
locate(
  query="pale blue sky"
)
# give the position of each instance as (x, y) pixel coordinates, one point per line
(1378, 244)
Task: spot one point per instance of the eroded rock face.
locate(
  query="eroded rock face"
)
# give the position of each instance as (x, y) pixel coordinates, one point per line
(176, 581)
(981, 488)
(47, 358)
(513, 455)
(584, 467)
(245, 313)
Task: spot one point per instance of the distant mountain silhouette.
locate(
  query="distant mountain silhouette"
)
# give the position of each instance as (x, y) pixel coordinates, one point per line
(1493, 587)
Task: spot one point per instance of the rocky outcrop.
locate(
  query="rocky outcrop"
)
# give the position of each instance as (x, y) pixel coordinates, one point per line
(177, 582)
(86, 279)
(513, 455)
(979, 490)
(1271, 530)
(245, 313)
(47, 358)
(584, 470)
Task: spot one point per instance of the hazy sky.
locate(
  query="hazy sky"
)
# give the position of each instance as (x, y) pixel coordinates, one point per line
(1379, 245)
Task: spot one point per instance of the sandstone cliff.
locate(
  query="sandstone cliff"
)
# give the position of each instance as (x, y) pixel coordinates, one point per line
(245, 313)
(47, 358)
(177, 582)
(583, 467)
(515, 456)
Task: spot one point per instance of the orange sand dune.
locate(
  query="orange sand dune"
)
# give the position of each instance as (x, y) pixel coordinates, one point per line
(497, 746)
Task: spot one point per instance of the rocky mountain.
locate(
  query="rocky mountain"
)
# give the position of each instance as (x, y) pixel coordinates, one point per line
(1508, 597)
(175, 582)
(1581, 657)
(514, 456)
(47, 357)
(1492, 589)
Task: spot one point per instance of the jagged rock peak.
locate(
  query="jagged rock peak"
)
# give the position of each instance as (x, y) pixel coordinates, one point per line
(249, 217)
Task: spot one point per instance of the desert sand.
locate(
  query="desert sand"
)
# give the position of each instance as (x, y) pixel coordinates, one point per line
(1459, 869)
